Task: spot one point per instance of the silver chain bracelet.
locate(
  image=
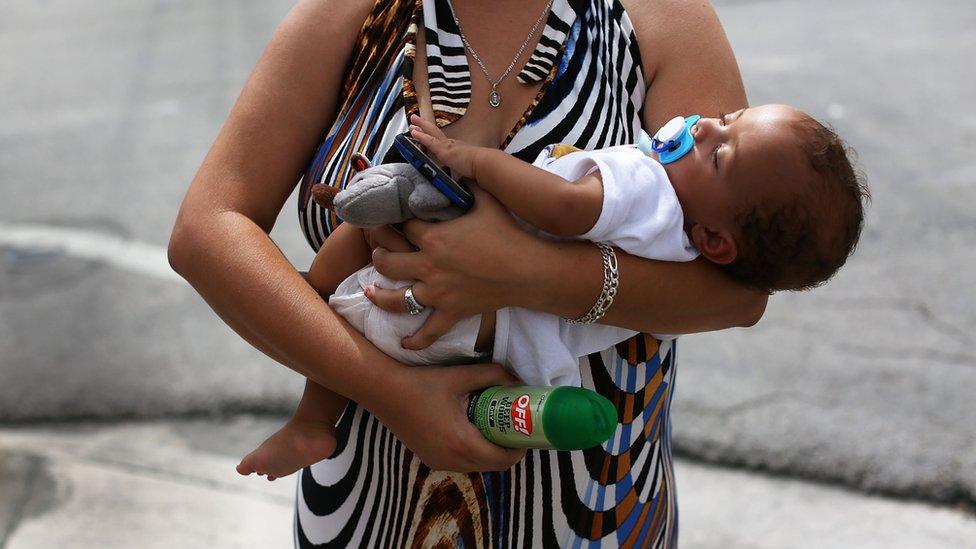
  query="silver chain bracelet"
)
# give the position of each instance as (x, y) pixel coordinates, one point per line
(610, 282)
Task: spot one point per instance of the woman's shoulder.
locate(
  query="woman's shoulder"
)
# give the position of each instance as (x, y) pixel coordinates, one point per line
(687, 60)
(657, 19)
(343, 13)
(323, 28)
(666, 29)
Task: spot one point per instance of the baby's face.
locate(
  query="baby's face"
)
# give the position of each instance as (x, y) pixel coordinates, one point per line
(747, 157)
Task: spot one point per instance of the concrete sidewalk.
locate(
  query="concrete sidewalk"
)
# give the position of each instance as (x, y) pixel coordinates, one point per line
(172, 484)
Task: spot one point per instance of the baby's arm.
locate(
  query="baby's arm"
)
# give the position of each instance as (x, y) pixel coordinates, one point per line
(556, 205)
(543, 199)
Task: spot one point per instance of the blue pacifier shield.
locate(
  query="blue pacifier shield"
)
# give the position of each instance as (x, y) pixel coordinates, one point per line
(674, 139)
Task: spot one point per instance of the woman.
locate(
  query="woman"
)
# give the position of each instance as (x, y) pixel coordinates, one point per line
(585, 74)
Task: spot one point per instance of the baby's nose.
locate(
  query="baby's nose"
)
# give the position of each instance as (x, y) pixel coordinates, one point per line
(704, 128)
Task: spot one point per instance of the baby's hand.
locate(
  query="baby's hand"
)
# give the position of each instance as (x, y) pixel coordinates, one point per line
(454, 154)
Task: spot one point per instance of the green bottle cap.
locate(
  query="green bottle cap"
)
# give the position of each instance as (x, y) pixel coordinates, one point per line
(577, 418)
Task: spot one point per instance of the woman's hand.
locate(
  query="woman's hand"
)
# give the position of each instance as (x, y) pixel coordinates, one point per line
(470, 265)
(426, 408)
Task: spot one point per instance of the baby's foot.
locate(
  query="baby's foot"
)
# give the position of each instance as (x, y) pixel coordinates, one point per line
(296, 445)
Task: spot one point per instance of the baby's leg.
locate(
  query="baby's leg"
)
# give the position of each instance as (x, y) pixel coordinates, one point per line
(343, 253)
(307, 438)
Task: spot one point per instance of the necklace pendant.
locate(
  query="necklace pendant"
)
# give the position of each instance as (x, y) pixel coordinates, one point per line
(494, 98)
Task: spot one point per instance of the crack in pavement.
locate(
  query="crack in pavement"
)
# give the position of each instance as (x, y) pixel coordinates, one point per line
(755, 403)
(25, 476)
(926, 353)
(160, 473)
(915, 308)
(911, 306)
(20, 505)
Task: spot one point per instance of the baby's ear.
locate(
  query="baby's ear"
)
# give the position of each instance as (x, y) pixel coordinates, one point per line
(717, 245)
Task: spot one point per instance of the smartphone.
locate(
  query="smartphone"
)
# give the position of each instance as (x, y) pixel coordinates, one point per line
(411, 151)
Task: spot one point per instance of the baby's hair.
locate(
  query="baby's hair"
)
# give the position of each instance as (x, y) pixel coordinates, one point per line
(801, 244)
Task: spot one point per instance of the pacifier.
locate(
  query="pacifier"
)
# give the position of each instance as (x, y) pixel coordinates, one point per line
(672, 141)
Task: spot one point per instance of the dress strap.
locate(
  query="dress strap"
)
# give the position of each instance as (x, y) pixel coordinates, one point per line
(562, 16)
(448, 73)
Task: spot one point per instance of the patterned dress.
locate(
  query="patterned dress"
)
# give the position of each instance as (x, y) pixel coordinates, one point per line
(373, 492)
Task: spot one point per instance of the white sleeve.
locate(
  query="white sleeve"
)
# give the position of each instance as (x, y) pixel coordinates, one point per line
(583, 339)
(543, 349)
(641, 214)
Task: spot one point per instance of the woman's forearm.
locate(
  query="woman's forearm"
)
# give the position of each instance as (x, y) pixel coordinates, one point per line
(246, 279)
(243, 276)
(653, 296)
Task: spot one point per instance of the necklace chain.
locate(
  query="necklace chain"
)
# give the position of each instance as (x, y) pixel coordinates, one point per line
(494, 99)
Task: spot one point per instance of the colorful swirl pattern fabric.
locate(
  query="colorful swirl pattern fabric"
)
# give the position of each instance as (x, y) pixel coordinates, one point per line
(373, 492)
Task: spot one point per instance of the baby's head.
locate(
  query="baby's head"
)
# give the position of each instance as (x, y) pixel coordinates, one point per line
(769, 194)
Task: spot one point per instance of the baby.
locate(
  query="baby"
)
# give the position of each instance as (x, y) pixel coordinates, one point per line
(767, 193)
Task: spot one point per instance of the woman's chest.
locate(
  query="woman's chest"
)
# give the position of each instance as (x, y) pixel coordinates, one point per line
(576, 79)
(471, 72)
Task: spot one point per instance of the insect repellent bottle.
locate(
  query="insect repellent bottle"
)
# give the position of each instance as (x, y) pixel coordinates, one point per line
(561, 418)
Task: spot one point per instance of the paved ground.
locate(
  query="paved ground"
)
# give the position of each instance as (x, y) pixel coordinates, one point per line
(172, 484)
(108, 108)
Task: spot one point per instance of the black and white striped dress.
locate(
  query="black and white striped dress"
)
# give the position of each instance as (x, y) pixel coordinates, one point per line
(374, 492)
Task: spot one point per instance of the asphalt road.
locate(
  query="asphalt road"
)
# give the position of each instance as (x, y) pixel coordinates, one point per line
(108, 108)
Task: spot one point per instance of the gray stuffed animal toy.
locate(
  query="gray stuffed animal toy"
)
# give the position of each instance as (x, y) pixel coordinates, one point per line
(384, 195)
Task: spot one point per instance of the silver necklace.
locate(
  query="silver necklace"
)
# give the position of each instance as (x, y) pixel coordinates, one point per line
(495, 98)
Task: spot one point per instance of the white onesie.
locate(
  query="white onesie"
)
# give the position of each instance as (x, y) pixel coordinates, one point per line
(640, 215)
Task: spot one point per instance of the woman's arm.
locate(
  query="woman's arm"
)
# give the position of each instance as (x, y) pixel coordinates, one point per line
(220, 244)
(509, 267)
(248, 174)
(689, 68)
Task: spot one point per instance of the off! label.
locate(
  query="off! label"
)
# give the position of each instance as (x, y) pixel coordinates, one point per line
(517, 419)
(522, 415)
